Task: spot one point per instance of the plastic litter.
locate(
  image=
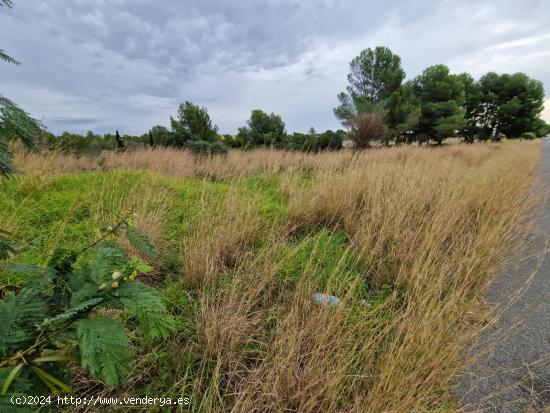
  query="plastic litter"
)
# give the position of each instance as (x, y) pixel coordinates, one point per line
(326, 299)
(364, 303)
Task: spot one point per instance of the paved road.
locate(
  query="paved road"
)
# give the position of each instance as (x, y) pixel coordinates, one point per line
(513, 375)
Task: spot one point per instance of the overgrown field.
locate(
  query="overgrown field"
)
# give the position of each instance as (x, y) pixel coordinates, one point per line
(407, 238)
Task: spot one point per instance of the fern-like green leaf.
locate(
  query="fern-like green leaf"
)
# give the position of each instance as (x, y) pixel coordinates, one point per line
(104, 349)
(15, 123)
(107, 259)
(85, 292)
(40, 277)
(71, 314)
(142, 243)
(19, 315)
(6, 405)
(146, 305)
(7, 58)
(6, 165)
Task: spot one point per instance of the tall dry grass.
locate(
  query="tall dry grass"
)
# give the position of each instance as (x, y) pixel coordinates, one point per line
(179, 163)
(435, 225)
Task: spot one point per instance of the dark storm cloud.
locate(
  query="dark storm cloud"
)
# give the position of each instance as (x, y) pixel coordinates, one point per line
(100, 64)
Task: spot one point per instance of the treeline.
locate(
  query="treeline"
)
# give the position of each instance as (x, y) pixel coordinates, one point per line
(193, 129)
(379, 106)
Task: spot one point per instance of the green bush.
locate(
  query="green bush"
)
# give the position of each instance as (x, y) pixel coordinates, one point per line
(218, 148)
(528, 135)
(198, 147)
(59, 315)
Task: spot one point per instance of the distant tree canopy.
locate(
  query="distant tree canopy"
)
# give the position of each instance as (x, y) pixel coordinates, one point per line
(509, 104)
(315, 142)
(161, 135)
(378, 106)
(262, 129)
(438, 104)
(440, 97)
(192, 124)
(193, 129)
(375, 75)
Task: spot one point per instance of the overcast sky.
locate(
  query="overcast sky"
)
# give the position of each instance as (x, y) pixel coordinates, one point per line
(126, 64)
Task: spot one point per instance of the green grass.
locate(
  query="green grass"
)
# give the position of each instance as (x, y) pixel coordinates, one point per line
(45, 214)
(54, 215)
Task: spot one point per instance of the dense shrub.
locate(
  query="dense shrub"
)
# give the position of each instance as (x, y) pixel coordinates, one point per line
(367, 128)
(59, 315)
(315, 142)
(218, 148)
(198, 147)
(528, 135)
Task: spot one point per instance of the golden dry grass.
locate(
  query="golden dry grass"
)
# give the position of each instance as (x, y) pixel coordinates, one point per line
(435, 225)
(180, 163)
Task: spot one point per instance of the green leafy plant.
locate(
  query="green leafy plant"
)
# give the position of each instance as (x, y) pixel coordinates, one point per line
(15, 123)
(528, 135)
(71, 311)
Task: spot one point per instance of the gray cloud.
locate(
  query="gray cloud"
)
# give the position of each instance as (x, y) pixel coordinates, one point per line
(126, 64)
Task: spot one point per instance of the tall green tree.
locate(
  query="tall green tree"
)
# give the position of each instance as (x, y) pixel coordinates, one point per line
(373, 77)
(473, 112)
(440, 96)
(193, 123)
(403, 113)
(15, 123)
(510, 104)
(161, 135)
(262, 129)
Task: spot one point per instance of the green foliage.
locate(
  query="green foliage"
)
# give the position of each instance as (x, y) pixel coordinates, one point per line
(528, 135)
(18, 316)
(440, 96)
(438, 104)
(144, 303)
(60, 307)
(142, 243)
(192, 124)
(15, 123)
(207, 148)
(6, 246)
(104, 349)
(375, 75)
(262, 129)
(199, 147)
(473, 98)
(541, 128)
(320, 256)
(315, 142)
(107, 259)
(510, 104)
(7, 58)
(161, 135)
(218, 148)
